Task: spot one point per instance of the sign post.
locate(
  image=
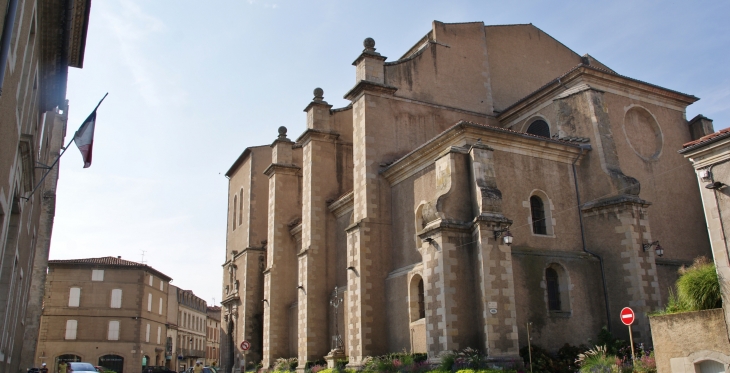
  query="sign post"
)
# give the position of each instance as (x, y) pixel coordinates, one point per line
(245, 346)
(628, 317)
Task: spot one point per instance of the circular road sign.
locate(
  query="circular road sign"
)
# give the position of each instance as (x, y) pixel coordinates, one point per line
(627, 316)
(245, 345)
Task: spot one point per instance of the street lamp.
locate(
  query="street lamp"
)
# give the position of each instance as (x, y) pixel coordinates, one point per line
(659, 249)
(506, 238)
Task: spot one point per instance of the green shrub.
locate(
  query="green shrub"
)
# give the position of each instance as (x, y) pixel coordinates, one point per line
(698, 287)
(597, 360)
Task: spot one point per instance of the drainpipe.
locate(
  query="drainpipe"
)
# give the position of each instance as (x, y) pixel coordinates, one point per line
(5, 39)
(583, 237)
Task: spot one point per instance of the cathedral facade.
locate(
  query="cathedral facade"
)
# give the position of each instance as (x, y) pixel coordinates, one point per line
(489, 179)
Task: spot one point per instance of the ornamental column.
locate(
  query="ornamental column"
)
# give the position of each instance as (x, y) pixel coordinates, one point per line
(319, 184)
(280, 275)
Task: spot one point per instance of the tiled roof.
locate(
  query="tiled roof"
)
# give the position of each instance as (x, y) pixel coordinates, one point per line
(108, 261)
(721, 134)
(105, 260)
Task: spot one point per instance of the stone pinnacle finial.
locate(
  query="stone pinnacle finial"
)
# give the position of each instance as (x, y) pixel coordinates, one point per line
(318, 94)
(369, 44)
(282, 132)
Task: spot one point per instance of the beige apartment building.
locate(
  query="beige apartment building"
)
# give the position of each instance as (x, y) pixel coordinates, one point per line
(107, 311)
(172, 359)
(191, 329)
(212, 336)
(39, 41)
(489, 178)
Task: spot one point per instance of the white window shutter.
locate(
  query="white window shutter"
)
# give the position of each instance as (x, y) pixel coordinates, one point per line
(74, 297)
(71, 329)
(116, 298)
(113, 331)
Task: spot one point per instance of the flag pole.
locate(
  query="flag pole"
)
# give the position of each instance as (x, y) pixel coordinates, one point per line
(59, 156)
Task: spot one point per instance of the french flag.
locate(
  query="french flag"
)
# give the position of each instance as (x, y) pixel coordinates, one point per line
(84, 138)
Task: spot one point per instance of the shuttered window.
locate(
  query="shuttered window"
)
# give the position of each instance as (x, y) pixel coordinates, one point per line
(116, 298)
(74, 297)
(113, 334)
(71, 329)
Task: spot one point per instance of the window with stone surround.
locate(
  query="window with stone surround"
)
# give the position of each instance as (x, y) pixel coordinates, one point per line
(416, 298)
(539, 128)
(557, 289)
(541, 220)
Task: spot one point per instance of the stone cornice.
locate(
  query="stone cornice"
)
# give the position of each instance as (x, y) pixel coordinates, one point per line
(615, 201)
(297, 229)
(443, 225)
(280, 168)
(318, 103)
(342, 205)
(708, 154)
(527, 251)
(466, 133)
(365, 86)
(368, 54)
(603, 81)
(315, 134)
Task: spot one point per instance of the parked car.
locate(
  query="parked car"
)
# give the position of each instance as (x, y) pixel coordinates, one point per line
(157, 369)
(205, 370)
(79, 367)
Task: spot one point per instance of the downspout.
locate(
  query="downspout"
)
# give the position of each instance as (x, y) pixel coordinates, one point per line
(583, 237)
(5, 40)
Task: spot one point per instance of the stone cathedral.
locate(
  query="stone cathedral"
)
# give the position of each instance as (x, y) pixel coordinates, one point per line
(488, 178)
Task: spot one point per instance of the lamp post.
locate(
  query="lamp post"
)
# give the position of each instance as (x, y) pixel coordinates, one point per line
(335, 302)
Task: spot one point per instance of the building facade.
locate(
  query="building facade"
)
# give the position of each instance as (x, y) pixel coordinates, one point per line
(401, 203)
(40, 40)
(191, 329)
(108, 311)
(700, 341)
(171, 354)
(212, 336)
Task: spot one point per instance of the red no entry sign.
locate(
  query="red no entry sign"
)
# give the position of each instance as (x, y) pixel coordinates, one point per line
(627, 316)
(245, 345)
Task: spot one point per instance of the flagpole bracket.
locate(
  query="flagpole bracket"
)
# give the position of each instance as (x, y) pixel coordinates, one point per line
(43, 166)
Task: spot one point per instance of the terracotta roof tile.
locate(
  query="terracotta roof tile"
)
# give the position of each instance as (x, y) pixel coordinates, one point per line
(107, 261)
(707, 138)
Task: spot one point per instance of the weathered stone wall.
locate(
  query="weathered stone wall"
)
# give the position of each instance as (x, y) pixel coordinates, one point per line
(684, 339)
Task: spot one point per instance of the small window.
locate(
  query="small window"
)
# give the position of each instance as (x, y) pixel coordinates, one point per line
(113, 334)
(235, 212)
(240, 208)
(71, 329)
(162, 285)
(160, 311)
(553, 289)
(149, 302)
(116, 298)
(152, 280)
(421, 301)
(537, 208)
(97, 275)
(147, 334)
(539, 128)
(74, 297)
(159, 334)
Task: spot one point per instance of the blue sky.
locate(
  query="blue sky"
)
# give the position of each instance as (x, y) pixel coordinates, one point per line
(191, 84)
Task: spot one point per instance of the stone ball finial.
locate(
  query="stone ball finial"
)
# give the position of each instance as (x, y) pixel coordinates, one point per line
(369, 43)
(282, 132)
(318, 94)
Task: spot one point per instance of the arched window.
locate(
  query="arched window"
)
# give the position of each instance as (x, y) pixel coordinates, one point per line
(539, 128)
(421, 300)
(112, 362)
(537, 209)
(235, 212)
(240, 208)
(417, 298)
(553, 289)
